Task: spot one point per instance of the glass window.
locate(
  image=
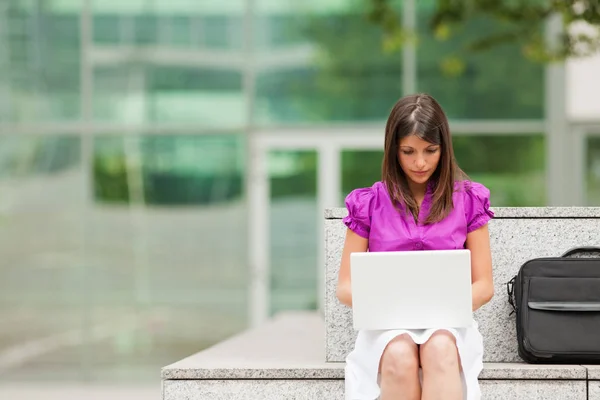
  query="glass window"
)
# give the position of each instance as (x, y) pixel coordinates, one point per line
(293, 216)
(40, 50)
(208, 97)
(146, 29)
(518, 183)
(41, 242)
(180, 29)
(593, 171)
(360, 168)
(151, 268)
(167, 248)
(188, 23)
(178, 169)
(107, 29)
(216, 31)
(326, 63)
(498, 83)
(280, 31)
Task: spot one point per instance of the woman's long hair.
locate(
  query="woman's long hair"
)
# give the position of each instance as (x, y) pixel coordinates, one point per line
(422, 116)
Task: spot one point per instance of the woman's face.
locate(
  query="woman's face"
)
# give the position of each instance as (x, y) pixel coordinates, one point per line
(418, 158)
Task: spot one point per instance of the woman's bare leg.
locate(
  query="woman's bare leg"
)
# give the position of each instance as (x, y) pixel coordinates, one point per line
(400, 370)
(441, 368)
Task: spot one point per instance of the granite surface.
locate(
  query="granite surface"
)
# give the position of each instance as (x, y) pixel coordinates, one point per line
(594, 390)
(593, 372)
(291, 346)
(510, 212)
(253, 390)
(522, 371)
(513, 241)
(339, 332)
(533, 390)
(254, 371)
(334, 389)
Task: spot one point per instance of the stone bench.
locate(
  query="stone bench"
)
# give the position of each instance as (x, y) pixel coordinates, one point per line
(300, 355)
(516, 235)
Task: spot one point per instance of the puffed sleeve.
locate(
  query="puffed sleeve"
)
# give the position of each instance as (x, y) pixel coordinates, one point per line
(477, 206)
(358, 203)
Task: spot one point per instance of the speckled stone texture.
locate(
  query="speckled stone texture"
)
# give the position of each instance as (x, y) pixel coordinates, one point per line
(290, 346)
(593, 372)
(339, 333)
(253, 390)
(522, 371)
(298, 355)
(594, 390)
(513, 242)
(334, 389)
(533, 390)
(516, 235)
(284, 359)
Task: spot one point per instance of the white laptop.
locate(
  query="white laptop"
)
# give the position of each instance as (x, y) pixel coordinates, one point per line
(411, 289)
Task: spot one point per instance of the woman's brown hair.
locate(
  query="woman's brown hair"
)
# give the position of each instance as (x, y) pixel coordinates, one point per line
(422, 116)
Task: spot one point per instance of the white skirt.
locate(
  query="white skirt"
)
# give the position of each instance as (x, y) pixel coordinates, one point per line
(362, 364)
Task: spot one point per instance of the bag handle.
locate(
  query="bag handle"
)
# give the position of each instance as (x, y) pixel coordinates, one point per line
(584, 249)
(510, 288)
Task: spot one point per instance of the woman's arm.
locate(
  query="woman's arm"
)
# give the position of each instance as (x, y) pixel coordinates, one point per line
(353, 244)
(478, 242)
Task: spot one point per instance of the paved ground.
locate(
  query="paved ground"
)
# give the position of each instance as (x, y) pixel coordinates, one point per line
(79, 391)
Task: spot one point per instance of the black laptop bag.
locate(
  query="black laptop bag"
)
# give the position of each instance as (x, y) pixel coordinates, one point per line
(557, 306)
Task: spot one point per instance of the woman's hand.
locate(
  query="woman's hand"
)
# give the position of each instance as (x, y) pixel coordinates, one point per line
(353, 244)
(478, 242)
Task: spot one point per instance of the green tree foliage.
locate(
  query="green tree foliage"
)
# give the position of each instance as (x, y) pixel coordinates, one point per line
(358, 71)
(351, 77)
(522, 24)
(496, 84)
(356, 78)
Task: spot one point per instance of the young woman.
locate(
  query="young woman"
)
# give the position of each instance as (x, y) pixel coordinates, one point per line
(423, 202)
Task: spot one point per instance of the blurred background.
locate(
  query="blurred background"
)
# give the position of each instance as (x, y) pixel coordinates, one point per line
(164, 164)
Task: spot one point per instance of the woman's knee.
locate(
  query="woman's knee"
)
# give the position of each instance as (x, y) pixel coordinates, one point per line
(440, 353)
(400, 359)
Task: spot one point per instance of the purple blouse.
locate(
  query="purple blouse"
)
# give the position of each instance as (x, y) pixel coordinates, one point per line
(372, 215)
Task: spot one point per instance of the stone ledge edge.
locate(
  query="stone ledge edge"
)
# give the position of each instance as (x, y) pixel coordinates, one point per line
(568, 373)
